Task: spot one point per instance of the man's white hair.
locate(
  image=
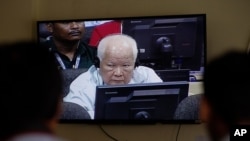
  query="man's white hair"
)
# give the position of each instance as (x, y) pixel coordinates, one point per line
(103, 44)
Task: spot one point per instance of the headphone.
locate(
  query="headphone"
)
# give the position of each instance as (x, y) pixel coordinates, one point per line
(97, 62)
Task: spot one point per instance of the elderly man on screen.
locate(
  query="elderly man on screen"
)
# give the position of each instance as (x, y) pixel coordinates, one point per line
(116, 64)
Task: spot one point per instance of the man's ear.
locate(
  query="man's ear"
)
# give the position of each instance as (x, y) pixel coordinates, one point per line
(49, 27)
(205, 110)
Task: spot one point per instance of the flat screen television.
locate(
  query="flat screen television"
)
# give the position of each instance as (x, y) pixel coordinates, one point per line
(170, 44)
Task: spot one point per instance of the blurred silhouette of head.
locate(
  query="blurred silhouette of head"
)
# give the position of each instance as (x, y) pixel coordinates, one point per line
(225, 102)
(31, 89)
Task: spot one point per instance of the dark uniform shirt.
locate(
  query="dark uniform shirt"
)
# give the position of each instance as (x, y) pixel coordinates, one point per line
(83, 57)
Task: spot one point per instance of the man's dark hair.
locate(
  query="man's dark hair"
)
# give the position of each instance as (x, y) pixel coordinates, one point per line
(31, 87)
(227, 86)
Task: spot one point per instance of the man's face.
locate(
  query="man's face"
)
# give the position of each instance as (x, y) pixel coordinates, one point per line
(117, 65)
(69, 31)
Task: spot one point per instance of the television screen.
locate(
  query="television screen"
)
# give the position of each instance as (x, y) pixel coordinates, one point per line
(173, 45)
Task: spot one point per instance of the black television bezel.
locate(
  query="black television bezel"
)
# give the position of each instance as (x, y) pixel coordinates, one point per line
(192, 121)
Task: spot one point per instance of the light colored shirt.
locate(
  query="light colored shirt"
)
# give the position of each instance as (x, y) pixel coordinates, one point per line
(36, 137)
(83, 88)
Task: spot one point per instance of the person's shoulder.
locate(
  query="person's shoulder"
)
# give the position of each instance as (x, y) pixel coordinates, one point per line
(146, 74)
(86, 79)
(92, 49)
(87, 75)
(88, 71)
(144, 68)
